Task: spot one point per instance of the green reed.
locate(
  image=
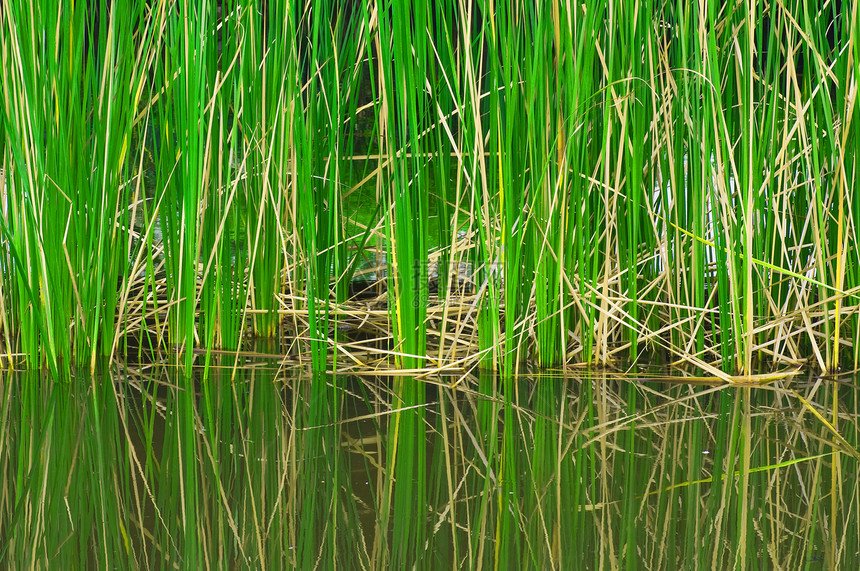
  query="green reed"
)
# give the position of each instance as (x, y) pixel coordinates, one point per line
(402, 56)
(69, 100)
(622, 179)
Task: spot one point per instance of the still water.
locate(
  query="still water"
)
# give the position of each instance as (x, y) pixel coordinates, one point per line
(264, 467)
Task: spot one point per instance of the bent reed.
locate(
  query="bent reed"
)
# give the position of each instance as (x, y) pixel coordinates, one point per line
(554, 184)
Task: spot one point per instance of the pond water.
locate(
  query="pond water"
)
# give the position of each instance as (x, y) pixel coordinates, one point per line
(265, 467)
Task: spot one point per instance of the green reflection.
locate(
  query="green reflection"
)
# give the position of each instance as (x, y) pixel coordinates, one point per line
(263, 468)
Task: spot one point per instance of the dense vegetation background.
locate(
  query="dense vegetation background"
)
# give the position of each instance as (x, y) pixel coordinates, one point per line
(612, 179)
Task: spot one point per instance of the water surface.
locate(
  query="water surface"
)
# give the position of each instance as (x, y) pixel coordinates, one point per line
(266, 467)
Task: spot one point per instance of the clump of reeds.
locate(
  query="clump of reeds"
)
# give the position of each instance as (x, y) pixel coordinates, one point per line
(621, 179)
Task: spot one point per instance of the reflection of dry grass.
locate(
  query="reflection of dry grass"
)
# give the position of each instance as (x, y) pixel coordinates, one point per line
(568, 470)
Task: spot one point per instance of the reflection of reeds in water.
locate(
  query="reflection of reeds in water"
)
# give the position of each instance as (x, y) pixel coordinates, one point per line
(596, 471)
(185, 175)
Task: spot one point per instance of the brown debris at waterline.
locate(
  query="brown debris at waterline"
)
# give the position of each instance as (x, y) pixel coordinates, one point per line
(360, 332)
(361, 338)
(361, 335)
